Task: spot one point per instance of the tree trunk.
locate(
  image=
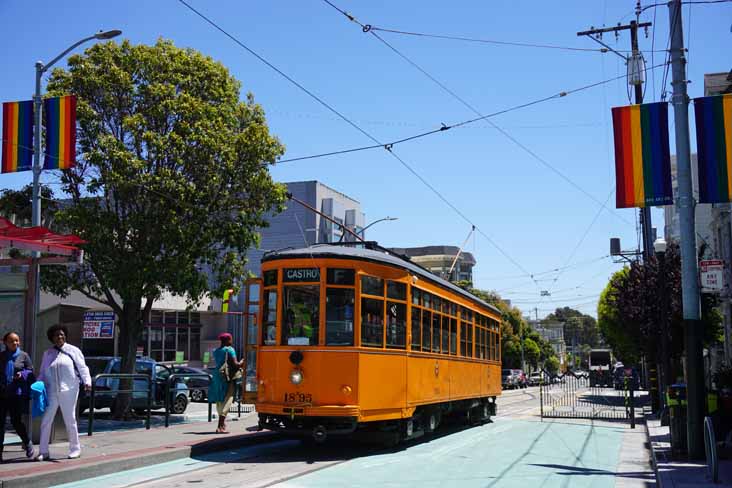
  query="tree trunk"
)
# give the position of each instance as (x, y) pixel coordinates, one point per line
(130, 328)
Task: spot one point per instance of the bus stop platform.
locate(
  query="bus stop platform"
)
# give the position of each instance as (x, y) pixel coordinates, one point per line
(114, 451)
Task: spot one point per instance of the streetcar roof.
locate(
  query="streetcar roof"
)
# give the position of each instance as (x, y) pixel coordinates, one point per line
(380, 256)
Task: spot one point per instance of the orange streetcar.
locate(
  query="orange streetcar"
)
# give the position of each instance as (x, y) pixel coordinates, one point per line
(356, 339)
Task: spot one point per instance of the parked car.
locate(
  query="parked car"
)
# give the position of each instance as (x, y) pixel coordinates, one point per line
(513, 378)
(106, 388)
(535, 378)
(508, 381)
(197, 385)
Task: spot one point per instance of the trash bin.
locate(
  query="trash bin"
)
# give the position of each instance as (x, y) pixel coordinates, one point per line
(676, 402)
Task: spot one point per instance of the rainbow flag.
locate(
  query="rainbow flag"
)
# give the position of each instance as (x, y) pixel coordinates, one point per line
(714, 147)
(642, 159)
(60, 132)
(17, 143)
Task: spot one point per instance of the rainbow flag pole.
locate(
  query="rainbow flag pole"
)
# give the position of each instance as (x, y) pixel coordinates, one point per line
(642, 159)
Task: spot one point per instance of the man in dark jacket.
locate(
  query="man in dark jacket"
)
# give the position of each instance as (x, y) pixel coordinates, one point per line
(16, 376)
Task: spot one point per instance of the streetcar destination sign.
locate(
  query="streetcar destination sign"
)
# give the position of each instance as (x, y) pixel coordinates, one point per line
(302, 274)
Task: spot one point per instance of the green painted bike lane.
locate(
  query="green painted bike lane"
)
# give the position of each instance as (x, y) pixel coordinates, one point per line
(507, 453)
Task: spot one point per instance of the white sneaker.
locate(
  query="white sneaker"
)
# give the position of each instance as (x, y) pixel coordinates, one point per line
(75, 455)
(43, 457)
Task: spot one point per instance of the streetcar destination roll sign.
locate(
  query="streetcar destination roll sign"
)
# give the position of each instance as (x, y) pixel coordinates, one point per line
(302, 274)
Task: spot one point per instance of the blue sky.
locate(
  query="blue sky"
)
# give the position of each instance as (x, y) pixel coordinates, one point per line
(533, 215)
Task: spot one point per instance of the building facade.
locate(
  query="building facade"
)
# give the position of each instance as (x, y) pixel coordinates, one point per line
(553, 332)
(439, 259)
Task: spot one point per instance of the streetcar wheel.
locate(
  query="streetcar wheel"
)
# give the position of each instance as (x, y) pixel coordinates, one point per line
(433, 421)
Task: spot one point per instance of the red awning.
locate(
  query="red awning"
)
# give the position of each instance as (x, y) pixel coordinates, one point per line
(37, 239)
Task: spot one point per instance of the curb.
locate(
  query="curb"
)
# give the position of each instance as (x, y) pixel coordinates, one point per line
(654, 461)
(133, 460)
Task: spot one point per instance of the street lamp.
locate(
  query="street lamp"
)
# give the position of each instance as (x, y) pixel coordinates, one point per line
(38, 107)
(376, 222)
(659, 246)
(36, 200)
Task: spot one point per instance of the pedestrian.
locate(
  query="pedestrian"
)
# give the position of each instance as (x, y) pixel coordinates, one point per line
(223, 384)
(15, 390)
(63, 369)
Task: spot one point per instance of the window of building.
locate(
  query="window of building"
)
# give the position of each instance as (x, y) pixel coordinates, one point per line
(339, 303)
(372, 322)
(300, 315)
(416, 329)
(270, 318)
(396, 327)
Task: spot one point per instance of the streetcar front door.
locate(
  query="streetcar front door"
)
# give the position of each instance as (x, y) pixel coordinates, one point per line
(251, 338)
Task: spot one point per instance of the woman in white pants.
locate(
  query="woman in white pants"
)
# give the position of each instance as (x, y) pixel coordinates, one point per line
(62, 369)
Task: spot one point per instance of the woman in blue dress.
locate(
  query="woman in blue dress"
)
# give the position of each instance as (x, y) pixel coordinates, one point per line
(221, 391)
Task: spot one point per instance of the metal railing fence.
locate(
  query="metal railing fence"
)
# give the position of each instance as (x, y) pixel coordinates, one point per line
(121, 376)
(175, 376)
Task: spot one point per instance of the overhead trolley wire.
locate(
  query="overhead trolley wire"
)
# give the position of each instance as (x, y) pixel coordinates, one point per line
(480, 116)
(356, 126)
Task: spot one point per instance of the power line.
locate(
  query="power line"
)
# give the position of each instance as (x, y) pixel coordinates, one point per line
(463, 123)
(357, 127)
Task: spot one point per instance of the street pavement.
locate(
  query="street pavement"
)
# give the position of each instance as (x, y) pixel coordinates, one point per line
(516, 449)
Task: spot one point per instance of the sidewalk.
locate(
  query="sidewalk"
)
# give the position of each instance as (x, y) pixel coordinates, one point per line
(114, 451)
(679, 473)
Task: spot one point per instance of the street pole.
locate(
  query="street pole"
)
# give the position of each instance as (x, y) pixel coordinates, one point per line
(689, 273)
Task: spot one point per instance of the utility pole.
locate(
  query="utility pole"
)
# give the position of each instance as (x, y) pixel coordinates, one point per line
(689, 273)
(634, 61)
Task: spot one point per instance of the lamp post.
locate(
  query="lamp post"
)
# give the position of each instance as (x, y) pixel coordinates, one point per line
(36, 199)
(363, 235)
(659, 246)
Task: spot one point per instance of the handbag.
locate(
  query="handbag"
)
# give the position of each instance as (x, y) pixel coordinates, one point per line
(230, 370)
(78, 374)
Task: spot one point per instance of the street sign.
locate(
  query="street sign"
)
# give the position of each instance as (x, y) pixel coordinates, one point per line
(98, 325)
(712, 275)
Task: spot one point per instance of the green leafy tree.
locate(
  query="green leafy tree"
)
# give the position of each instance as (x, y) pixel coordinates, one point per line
(16, 206)
(552, 365)
(171, 181)
(532, 353)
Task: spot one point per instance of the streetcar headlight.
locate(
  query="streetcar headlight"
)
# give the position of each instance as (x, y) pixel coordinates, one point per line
(296, 377)
(346, 389)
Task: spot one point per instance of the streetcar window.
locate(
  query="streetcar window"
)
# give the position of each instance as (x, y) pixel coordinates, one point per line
(426, 299)
(463, 339)
(372, 322)
(416, 331)
(435, 332)
(416, 296)
(396, 290)
(337, 276)
(270, 317)
(269, 278)
(300, 315)
(396, 327)
(372, 286)
(445, 334)
(453, 336)
(436, 302)
(426, 330)
(339, 316)
(469, 339)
